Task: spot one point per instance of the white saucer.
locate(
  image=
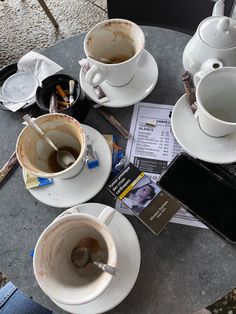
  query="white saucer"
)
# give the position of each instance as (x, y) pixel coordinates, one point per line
(221, 150)
(70, 192)
(128, 263)
(140, 86)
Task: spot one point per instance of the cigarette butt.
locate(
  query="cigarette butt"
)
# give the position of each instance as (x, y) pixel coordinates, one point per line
(71, 87)
(53, 105)
(63, 103)
(71, 91)
(62, 93)
(66, 91)
(71, 99)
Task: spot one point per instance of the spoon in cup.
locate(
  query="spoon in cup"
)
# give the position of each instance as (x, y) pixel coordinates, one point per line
(64, 158)
(81, 256)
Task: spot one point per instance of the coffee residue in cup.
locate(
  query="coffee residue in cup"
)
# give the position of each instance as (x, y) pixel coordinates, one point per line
(90, 244)
(52, 159)
(98, 252)
(121, 51)
(116, 59)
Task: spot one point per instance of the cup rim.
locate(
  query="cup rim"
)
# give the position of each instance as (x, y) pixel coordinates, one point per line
(57, 222)
(59, 173)
(198, 97)
(113, 64)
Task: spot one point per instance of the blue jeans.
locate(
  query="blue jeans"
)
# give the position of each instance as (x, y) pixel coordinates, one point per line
(13, 301)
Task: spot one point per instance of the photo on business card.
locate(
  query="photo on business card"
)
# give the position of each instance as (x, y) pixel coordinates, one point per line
(141, 195)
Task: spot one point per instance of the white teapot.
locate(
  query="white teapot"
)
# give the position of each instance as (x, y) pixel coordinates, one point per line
(214, 43)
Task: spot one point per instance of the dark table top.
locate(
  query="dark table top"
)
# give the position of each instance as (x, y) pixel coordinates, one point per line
(182, 270)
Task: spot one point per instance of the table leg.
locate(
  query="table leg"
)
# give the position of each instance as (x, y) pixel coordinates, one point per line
(48, 13)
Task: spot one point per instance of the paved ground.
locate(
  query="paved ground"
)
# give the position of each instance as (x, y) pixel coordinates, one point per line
(24, 25)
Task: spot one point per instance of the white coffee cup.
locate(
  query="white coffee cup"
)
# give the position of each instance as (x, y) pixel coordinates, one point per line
(54, 270)
(216, 102)
(113, 48)
(33, 152)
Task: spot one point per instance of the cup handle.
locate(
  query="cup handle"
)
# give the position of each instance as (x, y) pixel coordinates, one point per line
(198, 76)
(95, 75)
(196, 114)
(107, 215)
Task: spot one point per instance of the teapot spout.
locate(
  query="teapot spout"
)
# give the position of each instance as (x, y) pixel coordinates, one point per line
(218, 9)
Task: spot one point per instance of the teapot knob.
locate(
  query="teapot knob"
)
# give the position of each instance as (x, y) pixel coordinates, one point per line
(223, 24)
(218, 9)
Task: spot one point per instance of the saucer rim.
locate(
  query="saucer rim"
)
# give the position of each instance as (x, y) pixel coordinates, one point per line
(183, 100)
(49, 200)
(127, 104)
(100, 207)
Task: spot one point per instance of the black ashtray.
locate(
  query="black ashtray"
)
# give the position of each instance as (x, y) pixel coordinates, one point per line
(78, 109)
(5, 73)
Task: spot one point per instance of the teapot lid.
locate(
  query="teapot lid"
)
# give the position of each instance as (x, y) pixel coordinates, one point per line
(218, 32)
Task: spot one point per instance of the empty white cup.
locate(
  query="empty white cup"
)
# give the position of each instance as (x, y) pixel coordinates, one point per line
(54, 270)
(216, 102)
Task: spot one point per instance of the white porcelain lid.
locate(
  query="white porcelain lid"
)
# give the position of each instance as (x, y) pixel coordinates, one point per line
(218, 32)
(20, 87)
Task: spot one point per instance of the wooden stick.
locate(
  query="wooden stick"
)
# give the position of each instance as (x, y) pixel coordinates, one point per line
(115, 123)
(9, 165)
(190, 91)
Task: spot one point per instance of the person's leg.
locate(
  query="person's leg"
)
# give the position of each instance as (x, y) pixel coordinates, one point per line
(12, 300)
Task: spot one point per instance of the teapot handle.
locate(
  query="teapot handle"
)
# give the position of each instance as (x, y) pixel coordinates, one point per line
(218, 9)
